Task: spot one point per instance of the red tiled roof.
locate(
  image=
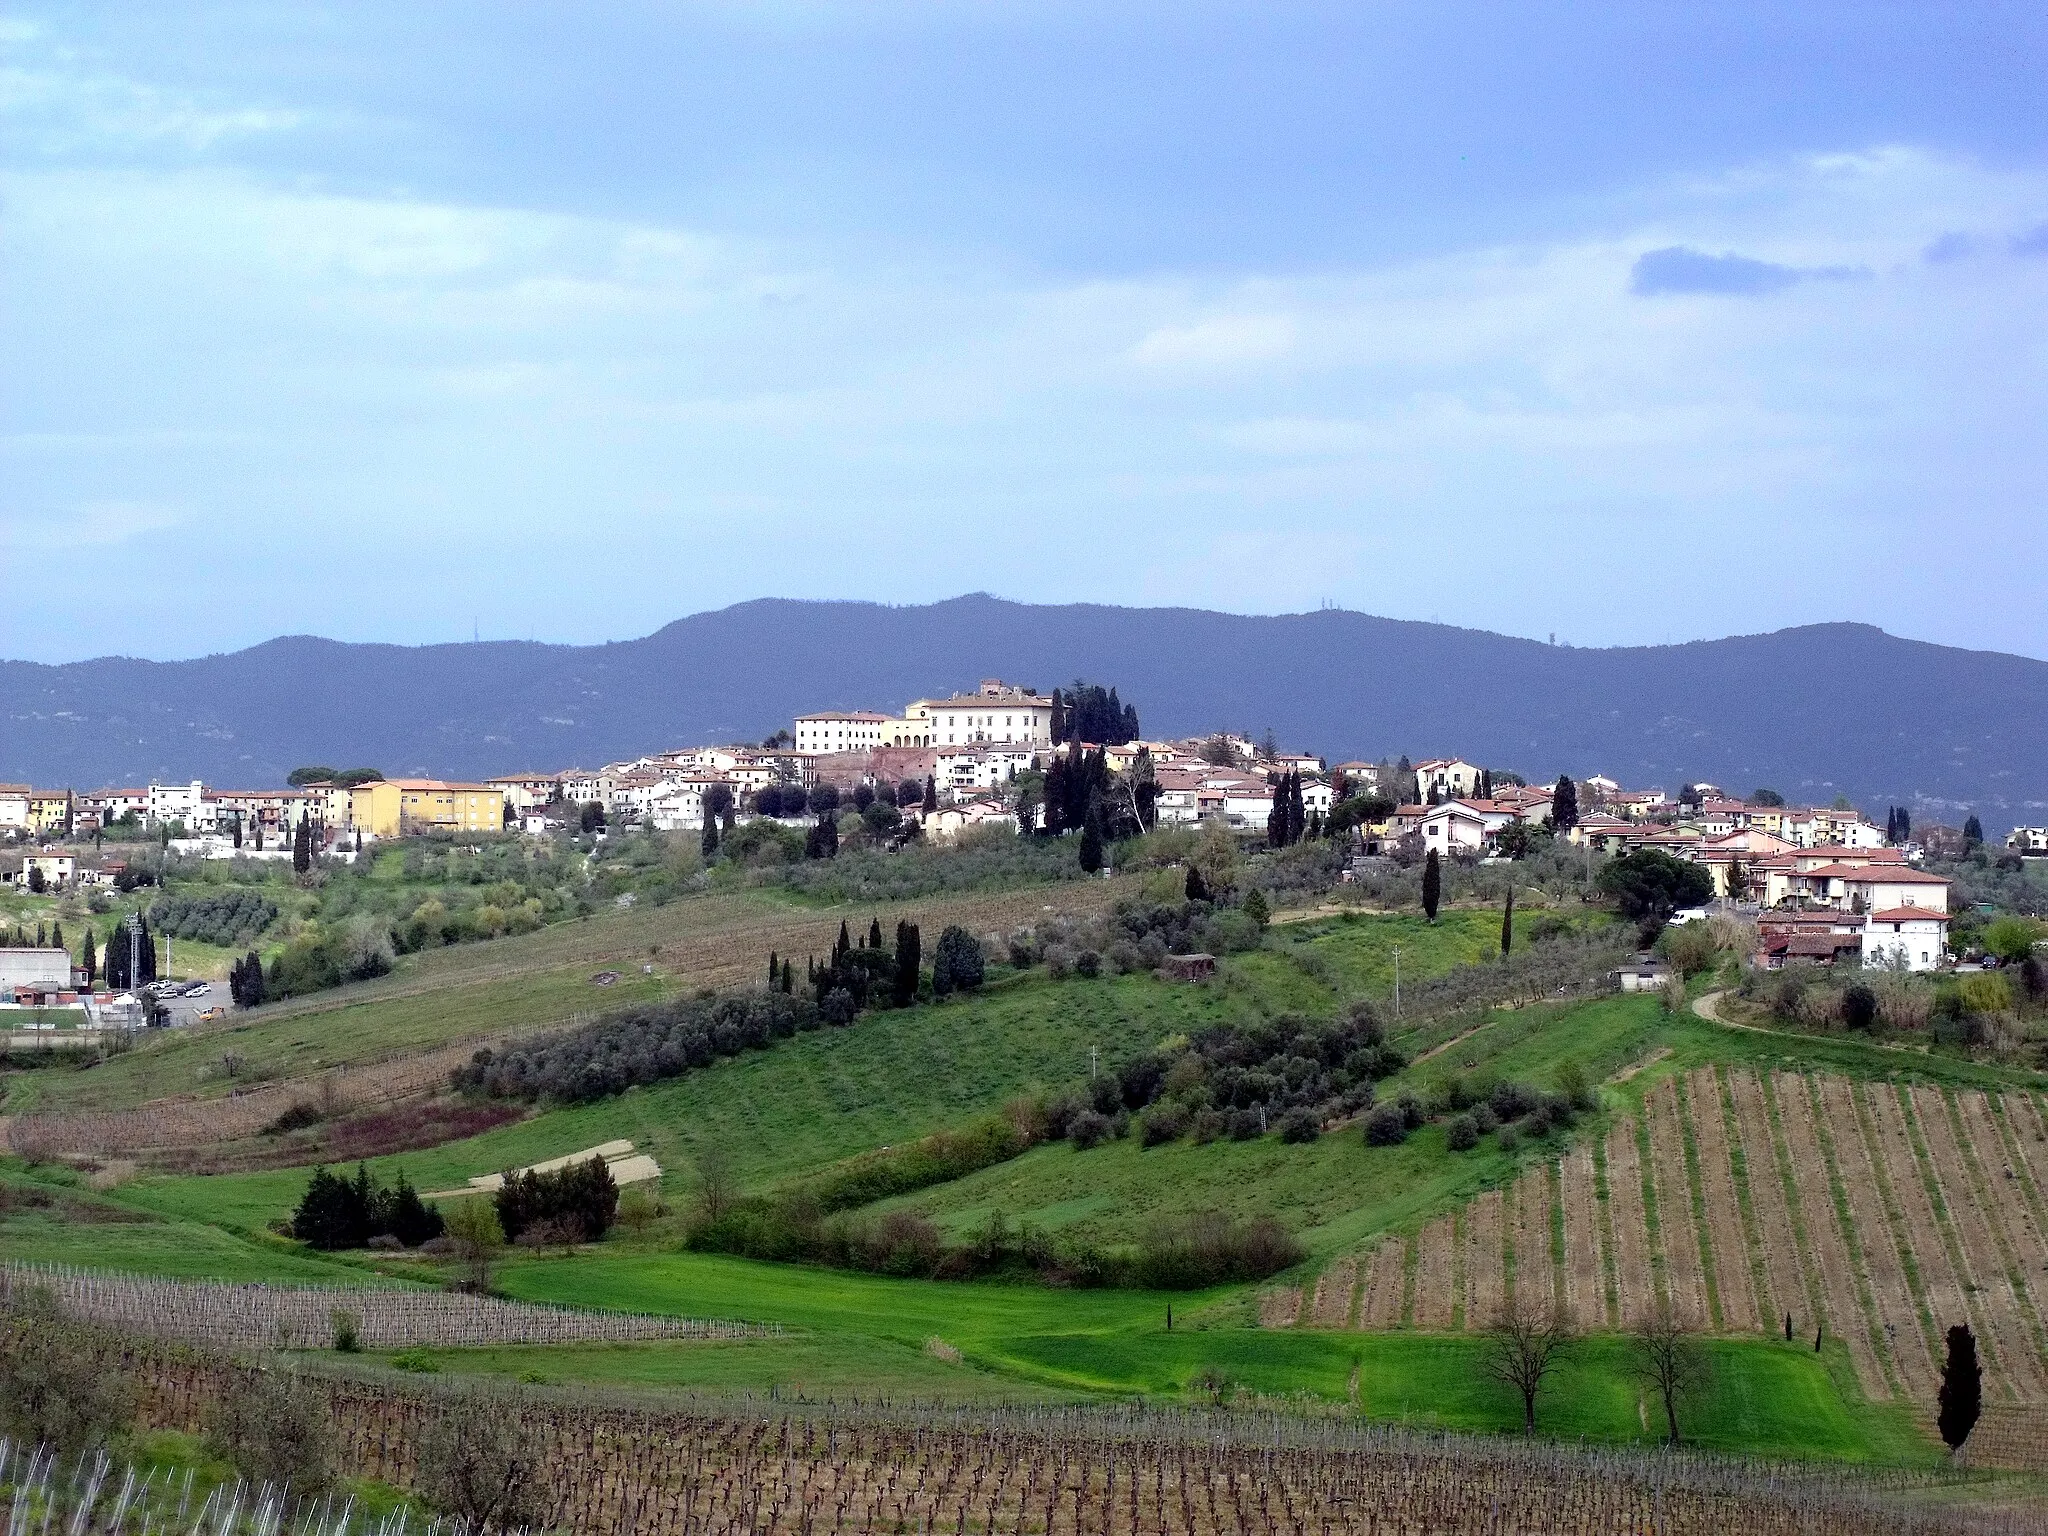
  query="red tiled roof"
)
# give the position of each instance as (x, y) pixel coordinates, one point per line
(1909, 915)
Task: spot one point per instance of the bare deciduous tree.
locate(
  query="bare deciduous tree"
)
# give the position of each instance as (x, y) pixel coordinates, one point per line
(1668, 1360)
(1522, 1346)
(717, 1184)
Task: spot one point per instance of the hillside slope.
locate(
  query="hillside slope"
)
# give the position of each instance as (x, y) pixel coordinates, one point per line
(1811, 711)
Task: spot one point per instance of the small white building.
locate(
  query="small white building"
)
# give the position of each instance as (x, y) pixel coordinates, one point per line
(951, 820)
(2027, 839)
(1453, 827)
(1908, 938)
(1451, 777)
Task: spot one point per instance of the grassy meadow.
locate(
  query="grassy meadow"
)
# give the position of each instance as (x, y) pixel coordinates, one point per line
(803, 1105)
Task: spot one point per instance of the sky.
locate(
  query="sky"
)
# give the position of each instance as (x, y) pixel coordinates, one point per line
(1626, 323)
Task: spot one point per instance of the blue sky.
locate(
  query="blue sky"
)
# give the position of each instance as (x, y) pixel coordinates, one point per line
(1618, 322)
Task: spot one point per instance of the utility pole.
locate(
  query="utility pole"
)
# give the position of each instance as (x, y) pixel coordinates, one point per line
(1091, 1063)
(1397, 981)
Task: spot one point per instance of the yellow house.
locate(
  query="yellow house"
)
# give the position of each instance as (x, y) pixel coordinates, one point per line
(49, 810)
(405, 807)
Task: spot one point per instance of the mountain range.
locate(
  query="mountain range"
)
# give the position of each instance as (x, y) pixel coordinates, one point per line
(1812, 712)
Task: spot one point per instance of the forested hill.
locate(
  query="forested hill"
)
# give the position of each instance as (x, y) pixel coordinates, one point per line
(1811, 712)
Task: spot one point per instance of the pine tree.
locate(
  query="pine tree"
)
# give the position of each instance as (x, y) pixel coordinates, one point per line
(1507, 924)
(1432, 884)
(1962, 1388)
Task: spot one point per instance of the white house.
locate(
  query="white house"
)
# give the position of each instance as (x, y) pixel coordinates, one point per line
(677, 808)
(176, 802)
(1453, 827)
(14, 807)
(994, 712)
(840, 730)
(2027, 839)
(950, 821)
(981, 766)
(1909, 938)
(1450, 777)
(526, 791)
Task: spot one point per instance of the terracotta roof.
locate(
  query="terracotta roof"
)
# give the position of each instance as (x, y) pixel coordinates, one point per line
(1866, 874)
(865, 716)
(1909, 915)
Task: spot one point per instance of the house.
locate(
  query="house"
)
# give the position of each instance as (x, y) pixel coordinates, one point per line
(1604, 833)
(1531, 805)
(1303, 763)
(1869, 887)
(14, 799)
(1644, 976)
(950, 821)
(1636, 804)
(980, 766)
(55, 866)
(49, 812)
(1446, 777)
(526, 791)
(1905, 938)
(994, 712)
(406, 807)
(840, 730)
(676, 808)
(1357, 775)
(2027, 839)
(1600, 787)
(1454, 827)
(112, 805)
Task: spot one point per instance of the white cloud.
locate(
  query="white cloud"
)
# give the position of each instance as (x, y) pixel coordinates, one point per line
(94, 525)
(259, 348)
(1222, 341)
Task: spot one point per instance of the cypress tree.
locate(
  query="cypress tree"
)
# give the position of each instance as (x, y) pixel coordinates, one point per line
(1196, 889)
(57, 936)
(788, 977)
(1507, 924)
(1091, 843)
(1962, 1388)
(1564, 804)
(874, 933)
(1297, 818)
(909, 956)
(931, 794)
(1432, 884)
(774, 970)
(89, 961)
(1973, 830)
(1055, 797)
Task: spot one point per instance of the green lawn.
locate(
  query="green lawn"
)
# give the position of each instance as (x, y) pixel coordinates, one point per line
(808, 1102)
(1764, 1397)
(186, 1250)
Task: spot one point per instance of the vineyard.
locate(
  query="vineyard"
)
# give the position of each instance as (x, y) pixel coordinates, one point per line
(286, 1317)
(767, 1469)
(94, 1498)
(1878, 1213)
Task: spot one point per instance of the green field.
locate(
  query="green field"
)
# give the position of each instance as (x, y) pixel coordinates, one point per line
(802, 1105)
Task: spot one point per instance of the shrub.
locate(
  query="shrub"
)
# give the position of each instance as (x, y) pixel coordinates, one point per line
(1859, 1007)
(1161, 1124)
(957, 966)
(1089, 1129)
(54, 1390)
(1300, 1125)
(1088, 963)
(1462, 1134)
(480, 1464)
(1984, 993)
(1211, 1249)
(274, 1429)
(582, 1200)
(1386, 1126)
